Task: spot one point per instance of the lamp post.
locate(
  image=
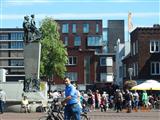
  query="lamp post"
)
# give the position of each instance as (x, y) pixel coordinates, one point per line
(130, 71)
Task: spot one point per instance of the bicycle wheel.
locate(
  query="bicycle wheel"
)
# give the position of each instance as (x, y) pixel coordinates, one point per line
(43, 118)
(57, 116)
(84, 117)
(48, 118)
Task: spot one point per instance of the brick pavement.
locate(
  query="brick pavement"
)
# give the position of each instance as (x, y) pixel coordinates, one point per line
(97, 115)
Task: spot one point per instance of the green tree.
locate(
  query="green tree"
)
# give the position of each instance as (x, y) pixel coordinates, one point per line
(53, 53)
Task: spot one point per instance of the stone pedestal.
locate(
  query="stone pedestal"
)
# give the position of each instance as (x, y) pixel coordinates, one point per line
(32, 54)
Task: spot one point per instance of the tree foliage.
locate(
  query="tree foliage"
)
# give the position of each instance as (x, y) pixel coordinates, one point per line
(53, 52)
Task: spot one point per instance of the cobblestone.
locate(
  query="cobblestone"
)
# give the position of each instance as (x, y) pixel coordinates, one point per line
(96, 115)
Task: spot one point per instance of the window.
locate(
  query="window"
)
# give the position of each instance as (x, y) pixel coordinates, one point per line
(85, 28)
(65, 28)
(109, 61)
(155, 68)
(77, 41)
(72, 60)
(16, 36)
(154, 46)
(103, 61)
(134, 69)
(17, 63)
(72, 75)
(66, 40)
(106, 61)
(3, 45)
(137, 69)
(94, 41)
(134, 49)
(4, 37)
(124, 70)
(97, 28)
(74, 28)
(106, 77)
(17, 44)
(136, 46)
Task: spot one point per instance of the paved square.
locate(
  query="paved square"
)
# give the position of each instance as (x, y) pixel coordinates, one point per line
(96, 115)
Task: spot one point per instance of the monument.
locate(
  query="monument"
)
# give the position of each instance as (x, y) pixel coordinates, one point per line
(32, 54)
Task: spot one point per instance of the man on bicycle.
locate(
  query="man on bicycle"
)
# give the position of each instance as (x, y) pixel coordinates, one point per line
(72, 108)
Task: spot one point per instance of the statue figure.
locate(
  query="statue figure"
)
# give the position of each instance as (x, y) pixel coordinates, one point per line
(31, 33)
(26, 28)
(33, 24)
(35, 32)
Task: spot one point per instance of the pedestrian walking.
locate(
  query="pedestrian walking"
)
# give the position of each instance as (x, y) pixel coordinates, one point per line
(2, 100)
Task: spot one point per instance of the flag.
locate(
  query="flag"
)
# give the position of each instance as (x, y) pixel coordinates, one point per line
(130, 25)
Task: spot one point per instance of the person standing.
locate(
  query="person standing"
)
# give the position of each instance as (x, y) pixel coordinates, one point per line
(118, 98)
(72, 107)
(145, 99)
(135, 100)
(97, 99)
(2, 100)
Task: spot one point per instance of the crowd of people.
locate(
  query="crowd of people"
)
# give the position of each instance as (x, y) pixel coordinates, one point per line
(88, 101)
(121, 99)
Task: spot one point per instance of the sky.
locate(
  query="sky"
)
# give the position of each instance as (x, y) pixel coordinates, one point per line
(145, 13)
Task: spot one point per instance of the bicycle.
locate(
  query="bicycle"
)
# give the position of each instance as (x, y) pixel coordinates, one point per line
(55, 112)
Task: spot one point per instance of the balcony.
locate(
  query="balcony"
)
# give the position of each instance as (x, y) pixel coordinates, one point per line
(8, 58)
(11, 40)
(11, 66)
(15, 75)
(6, 49)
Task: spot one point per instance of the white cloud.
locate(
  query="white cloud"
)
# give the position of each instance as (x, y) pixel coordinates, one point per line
(82, 15)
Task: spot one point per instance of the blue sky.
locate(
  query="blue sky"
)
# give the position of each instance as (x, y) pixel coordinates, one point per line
(144, 12)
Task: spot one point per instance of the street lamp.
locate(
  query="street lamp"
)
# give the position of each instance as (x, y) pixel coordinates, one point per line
(130, 71)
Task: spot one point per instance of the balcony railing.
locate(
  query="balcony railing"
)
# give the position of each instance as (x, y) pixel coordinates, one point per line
(8, 58)
(11, 66)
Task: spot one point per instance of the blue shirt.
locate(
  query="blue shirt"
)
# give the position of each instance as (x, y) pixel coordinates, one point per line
(70, 90)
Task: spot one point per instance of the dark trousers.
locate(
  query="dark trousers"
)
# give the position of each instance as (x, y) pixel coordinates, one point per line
(118, 106)
(96, 103)
(1, 106)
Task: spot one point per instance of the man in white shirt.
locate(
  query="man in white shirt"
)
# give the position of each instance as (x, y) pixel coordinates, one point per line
(2, 100)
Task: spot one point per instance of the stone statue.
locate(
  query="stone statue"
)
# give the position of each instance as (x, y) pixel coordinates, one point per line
(33, 24)
(26, 28)
(31, 33)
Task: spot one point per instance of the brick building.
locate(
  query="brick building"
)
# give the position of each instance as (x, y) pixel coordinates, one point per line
(144, 57)
(87, 64)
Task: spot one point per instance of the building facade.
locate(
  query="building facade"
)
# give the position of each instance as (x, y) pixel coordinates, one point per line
(115, 32)
(11, 53)
(87, 63)
(144, 58)
(84, 41)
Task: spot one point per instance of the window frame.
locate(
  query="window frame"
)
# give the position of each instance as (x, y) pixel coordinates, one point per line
(74, 28)
(153, 69)
(86, 28)
(77, 42)
(73, 60)
(65, 28)
(71, 75)
(154, 46)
